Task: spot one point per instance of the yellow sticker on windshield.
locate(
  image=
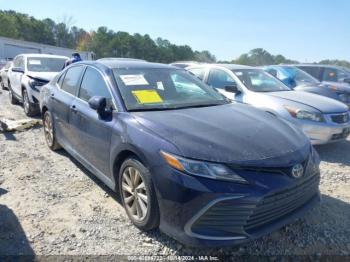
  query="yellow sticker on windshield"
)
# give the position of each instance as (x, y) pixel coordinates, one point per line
(147, 96)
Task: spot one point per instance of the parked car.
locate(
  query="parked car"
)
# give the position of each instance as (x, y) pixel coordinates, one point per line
(28, 74)
(322, 119)
(184, 64)
(328, 74)
(299, 80)
(178, 158)
(4, 75)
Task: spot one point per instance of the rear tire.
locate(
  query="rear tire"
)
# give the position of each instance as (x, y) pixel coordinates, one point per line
(138, 195)
(49, 132)
(12, 98)
(29, 108)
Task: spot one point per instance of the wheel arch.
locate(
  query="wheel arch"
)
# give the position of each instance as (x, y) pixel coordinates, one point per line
(121, 156)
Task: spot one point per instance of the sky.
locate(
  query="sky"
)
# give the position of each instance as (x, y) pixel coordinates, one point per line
(304, 30)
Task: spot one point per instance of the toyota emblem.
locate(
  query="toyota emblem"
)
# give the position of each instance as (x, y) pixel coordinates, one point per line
(297, 171)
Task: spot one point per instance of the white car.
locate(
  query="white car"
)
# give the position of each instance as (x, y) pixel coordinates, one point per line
(28, 74)
(4, 75)
(321, 118)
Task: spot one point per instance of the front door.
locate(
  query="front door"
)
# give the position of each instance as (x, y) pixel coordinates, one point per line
(91, 132)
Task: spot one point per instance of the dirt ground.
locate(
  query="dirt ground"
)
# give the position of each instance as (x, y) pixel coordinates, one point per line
(51, 205)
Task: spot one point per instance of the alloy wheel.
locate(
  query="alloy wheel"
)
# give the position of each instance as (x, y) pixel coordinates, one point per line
(134, 193)
(48, 129)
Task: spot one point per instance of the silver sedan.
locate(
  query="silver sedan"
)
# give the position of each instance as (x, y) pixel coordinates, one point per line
(322, 119)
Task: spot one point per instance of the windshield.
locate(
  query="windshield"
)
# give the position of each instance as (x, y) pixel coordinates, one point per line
(299, 76)
(258, 80)
(160, 89)
(45, 64)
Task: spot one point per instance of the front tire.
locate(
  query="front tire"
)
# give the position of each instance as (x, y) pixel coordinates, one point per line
(49, 132)
(28, 107)
(138, 195)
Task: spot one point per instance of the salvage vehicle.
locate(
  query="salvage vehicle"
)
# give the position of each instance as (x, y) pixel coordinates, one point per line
(28, 74)
(322, 119)
(205, 171)
(4, 75)
(299, 80)
(328, 74)
(184, 64)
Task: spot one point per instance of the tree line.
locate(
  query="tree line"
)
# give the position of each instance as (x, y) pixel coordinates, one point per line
(104, 42)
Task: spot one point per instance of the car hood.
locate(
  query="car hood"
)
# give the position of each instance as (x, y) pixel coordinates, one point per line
(320, 103)
(339, 87)
(233, 133)
(46, 76)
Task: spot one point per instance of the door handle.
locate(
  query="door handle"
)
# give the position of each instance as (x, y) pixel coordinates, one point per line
(52, 96)
(74, 108)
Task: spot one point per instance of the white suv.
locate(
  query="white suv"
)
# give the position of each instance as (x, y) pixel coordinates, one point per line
(28, 74)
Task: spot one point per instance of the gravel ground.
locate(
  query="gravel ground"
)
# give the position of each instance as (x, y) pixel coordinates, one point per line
(51, 205)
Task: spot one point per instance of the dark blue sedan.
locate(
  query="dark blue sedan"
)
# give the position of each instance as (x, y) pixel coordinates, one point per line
(181, 156)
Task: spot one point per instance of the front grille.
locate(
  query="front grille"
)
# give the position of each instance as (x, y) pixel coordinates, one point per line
(280, 204)
(340, 118)
(227, 219)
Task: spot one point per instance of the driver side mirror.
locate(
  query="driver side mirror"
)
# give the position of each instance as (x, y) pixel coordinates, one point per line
(99, 104)
(232, 88)
(17, 70)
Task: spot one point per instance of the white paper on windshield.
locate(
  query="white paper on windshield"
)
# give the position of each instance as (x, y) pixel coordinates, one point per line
(134, 80)
(34, 62)
(160, 85)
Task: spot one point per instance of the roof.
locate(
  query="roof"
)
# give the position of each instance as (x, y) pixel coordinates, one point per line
(130, 64)
(228, 66)
(121, 59)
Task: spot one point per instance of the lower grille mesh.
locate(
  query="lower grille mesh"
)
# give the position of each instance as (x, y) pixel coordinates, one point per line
(225, 219)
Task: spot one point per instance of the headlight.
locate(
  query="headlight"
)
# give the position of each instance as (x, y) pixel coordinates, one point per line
(305, 115)
(202, 169)
(33, 83)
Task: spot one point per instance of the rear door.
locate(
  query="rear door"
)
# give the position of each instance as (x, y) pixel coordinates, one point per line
(91, 133)
(61, 100)
(16, 77)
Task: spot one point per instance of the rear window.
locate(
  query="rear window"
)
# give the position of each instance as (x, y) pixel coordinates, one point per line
(45, 64)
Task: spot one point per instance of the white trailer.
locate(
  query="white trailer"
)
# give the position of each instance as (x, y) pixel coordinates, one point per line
(9, 48)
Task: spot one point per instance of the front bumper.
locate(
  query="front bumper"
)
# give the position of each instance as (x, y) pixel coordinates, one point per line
(203, 212)
(326, 132)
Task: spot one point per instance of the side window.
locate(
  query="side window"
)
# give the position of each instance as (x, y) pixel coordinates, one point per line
(21, 62)
(93, 84)
(219, 79)
(330, 74)
(71, 80)
(312, 70)
(273, 72)
(198, 72)
(16, 62)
